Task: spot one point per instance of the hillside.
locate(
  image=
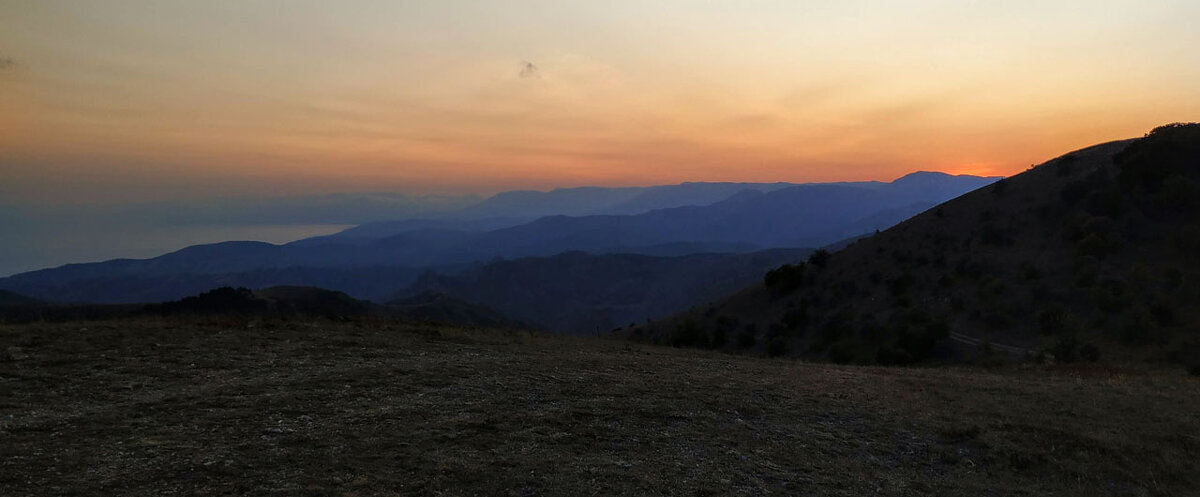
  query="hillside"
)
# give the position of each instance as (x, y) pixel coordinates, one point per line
(431, 307)
(273, 301)
(1092, 254)
(277, 302)
(172, 407)
(583, 293)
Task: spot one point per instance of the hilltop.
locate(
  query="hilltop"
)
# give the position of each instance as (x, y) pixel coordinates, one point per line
(1090, 255)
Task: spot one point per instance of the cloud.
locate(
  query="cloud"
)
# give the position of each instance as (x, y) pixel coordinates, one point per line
(7, 63)
(528, 70)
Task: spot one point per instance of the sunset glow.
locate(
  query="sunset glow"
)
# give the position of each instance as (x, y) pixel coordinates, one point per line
(149, 100)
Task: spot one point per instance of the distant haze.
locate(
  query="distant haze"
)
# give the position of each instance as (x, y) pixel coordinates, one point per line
(99, 242)
(122, 100)
(38, 236)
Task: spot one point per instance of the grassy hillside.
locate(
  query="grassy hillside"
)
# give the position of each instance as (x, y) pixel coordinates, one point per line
(1092, 255)
(228, 407)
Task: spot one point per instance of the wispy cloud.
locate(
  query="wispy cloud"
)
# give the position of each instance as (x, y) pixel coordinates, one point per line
(7, 63)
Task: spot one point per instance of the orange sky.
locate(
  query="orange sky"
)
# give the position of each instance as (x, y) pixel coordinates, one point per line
(118, 101)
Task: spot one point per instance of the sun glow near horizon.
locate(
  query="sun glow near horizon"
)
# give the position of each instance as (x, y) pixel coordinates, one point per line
(125, 99)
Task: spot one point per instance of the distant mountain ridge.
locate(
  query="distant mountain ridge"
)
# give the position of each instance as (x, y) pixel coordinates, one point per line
(748, 219)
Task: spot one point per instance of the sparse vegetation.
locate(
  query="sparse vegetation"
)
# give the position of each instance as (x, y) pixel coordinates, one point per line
(238, 406)
(1089, 258)
(786, 278)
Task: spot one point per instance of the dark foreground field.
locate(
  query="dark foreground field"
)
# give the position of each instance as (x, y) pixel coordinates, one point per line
(161, 408)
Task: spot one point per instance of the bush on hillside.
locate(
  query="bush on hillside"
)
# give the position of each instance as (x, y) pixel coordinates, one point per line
(844, 351)
(889, 355)
(900, 285)
(1066, 348)
(1089, 352)
(776, 346)
(1106, 202)
(1052, 320)
(1166, 150)
(786, 278)
(688, 334)
(819, 258)
(746, 338)
(796, 316)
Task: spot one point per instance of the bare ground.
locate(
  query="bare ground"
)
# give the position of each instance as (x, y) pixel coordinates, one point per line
(227, 408)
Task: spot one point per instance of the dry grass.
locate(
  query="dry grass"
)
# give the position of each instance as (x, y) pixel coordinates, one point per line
(158, 408)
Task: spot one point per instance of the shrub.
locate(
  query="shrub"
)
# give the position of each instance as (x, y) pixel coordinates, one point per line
(688, 334)
(1179, 196)
(746, 339)
(1086, 270)
(1089, 352)
(1051, 320)
(1029, 271)
(785, 278)
(1066, 348)
(1163, 314)
(1095, 246)
(916, 335)
(819, 258)
(719, 338)
(900, 285)
(996, 320)
(796, 316)
(1109, 295)
(777, 346)
(1107, 202)
(838, 326)
(845, 289)
(892, 356)
(1137, 327)
(843, 351)
(995, 236)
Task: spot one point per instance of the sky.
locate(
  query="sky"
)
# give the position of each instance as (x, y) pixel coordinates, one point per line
(129, 102)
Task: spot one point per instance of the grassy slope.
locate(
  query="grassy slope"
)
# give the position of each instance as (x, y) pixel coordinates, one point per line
(155, 407)
(985, 266)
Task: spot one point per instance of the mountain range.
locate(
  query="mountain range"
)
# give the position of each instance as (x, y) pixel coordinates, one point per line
(377, 261)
